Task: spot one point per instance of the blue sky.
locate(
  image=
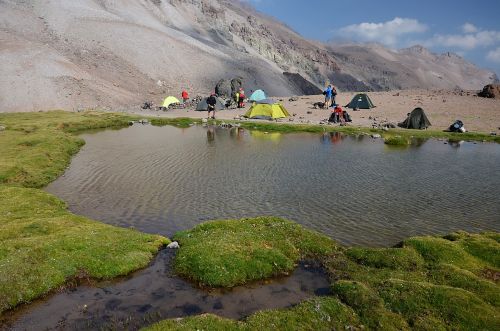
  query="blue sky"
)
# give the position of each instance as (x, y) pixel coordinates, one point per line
(468, 28)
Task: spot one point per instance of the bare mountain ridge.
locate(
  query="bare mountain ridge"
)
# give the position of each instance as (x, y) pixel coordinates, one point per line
(415, 67)
(117, 53)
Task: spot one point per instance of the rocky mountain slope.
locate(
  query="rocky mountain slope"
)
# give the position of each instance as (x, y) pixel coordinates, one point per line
(116, 53)
(415, 67)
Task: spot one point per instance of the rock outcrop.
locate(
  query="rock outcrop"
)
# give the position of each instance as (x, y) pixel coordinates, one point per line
(490, 91)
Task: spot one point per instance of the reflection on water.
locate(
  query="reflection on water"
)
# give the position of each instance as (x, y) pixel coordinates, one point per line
(352, 188)
(334, 137)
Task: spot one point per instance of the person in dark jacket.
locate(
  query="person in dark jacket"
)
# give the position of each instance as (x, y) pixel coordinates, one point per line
(211, 102)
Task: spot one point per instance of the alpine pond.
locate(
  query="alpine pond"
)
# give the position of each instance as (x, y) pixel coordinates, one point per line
(352, 188)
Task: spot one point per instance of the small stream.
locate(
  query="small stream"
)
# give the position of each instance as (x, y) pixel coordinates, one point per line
(155, 293)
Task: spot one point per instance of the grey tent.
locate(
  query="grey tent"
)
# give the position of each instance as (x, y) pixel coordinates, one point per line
(266, 102)
(416, 120)
(361, 101)
(202, 105)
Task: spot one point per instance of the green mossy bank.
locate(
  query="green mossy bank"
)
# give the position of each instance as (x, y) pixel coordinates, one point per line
(395, 136)
(42, 245)
(427, 283)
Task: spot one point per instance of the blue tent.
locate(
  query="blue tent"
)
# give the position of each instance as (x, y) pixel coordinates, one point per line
(258, 95)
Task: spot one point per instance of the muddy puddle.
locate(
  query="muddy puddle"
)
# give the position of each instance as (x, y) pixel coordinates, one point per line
(155, 293)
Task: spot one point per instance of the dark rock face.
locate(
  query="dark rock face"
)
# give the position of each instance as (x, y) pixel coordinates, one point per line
(303, 86)
(490, 91)
(223, 88)
(236, 84)
(346, 82)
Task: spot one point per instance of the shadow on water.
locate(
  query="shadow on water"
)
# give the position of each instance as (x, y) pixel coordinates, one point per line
(155, 293)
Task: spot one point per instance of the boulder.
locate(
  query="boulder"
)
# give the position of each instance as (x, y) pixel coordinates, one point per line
(236, 84)
(490, 91)
(223, 89)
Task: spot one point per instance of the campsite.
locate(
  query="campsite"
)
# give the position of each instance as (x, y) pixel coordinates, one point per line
(441, 107)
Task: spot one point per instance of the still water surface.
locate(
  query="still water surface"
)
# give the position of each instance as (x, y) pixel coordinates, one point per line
(354, 189)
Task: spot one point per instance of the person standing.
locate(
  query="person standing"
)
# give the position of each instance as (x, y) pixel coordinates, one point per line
(328, 95)
(185, 96)
(334, 95)
(241, 103)
(211, 102)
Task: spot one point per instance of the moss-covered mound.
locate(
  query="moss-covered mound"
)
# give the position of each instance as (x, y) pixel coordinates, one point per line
(426, 283)
(396, 141)
(233, 252)
(315, 314)
(42, 245)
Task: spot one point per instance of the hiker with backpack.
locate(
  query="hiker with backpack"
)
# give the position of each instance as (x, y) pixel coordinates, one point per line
(328, 95)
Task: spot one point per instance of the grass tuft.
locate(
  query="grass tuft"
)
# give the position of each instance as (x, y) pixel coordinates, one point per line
(230, 253)
(397, 141)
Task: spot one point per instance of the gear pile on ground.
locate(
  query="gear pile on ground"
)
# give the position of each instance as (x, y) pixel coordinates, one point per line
(191, 103)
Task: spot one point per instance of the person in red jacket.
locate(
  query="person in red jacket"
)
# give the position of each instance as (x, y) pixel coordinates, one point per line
(185, 96)
(241, 99)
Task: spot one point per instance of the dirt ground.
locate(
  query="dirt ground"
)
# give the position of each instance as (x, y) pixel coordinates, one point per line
(442, 109)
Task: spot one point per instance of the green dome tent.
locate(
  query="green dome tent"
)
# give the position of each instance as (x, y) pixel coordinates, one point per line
(258, 95)
(267, 111)
(361, 101)
(202, 105)
(416, 120)
(169, 100)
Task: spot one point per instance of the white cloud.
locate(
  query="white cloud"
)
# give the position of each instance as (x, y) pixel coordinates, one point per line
(469, 28)
(466, 41)
(387, 33)
(494, 55)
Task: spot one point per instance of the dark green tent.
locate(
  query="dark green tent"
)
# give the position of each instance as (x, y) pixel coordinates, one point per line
(416, 120)
(361, 101)
(202, 105)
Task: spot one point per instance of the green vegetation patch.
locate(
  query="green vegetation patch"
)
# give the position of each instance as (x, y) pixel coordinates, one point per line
(182, 122)
(233, 252)
(426, 283)
(37, 147)
(432, 283)
(443, 307)
(396, 141)
(393, 258)
(44, 246)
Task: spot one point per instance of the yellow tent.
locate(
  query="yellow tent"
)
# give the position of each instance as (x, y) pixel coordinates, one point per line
(169, 100)
(267, 111)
